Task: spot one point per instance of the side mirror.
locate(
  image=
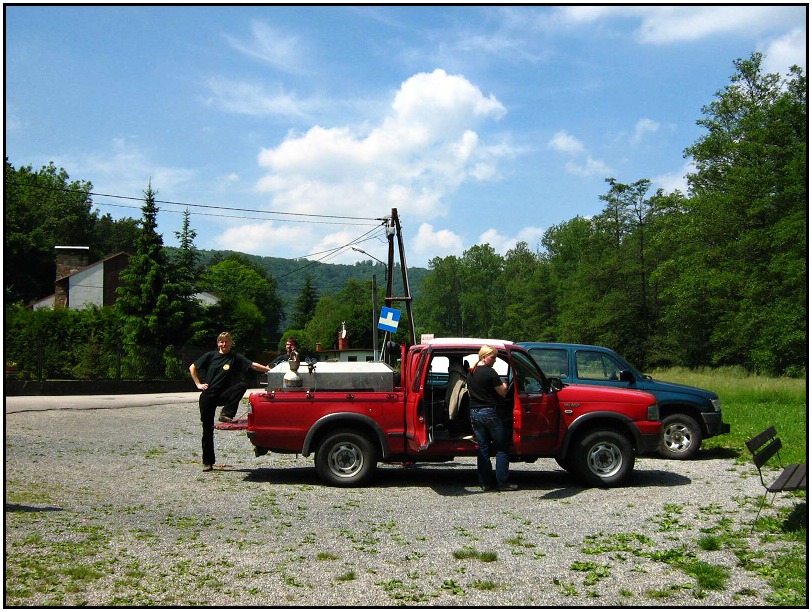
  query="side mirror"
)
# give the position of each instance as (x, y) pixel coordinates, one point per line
(556, 384)
(626, 376)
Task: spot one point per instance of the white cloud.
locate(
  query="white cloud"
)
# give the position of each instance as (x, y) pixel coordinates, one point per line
(674, 181)
(412, 159)
(252, 99)
(126, 169)
(259, 236)
(430, 243)
(680, 24)
(502, 244)
(590, 167)
(566, 143)
(783, 52)
(283, 52)
(674, 24)
(643, 127)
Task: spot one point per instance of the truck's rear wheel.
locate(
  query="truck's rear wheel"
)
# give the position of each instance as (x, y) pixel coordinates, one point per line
(602, 458)
(682, 437)
(346, 459)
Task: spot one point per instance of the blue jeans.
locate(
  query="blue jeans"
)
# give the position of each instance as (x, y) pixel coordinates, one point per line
(489, 429)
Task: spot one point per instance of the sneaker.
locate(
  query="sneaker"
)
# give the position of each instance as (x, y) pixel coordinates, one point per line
(207, 467)
(508, 487)
(225, 419)
(486, 488)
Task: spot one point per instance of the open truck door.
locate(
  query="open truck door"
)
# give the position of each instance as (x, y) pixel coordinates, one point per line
(535, 408)
(417, 435)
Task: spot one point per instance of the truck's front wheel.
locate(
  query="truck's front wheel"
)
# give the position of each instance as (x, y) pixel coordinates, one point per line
(602, 458)
(682, 437)
(345, 459)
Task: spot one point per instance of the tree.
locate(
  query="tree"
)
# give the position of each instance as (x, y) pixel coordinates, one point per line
(624, 269)
(749, 208)
(527, 296)
(439, 309)
(115, 236)
(236, 280)
(42, 209)
(352, 306)
(152, 307)
(572, 255)
(482, 304)
(186, 260)
(305, 306)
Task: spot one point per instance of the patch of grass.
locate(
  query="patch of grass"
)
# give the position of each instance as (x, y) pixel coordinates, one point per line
(707, 575)
(710, 542)
(403, 593)
(600, 543)
(326, 556)
(519, 541)
(593, 571)
(665, 592)
(452, 587)
(566, 588)
(468, 552)
(483, 585)
(346, 576)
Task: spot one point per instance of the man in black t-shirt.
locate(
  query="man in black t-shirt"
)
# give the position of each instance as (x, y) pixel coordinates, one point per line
(224, 386)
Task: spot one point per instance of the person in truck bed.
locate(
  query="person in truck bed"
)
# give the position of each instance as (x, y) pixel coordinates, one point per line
(485, 392)
(224, 386)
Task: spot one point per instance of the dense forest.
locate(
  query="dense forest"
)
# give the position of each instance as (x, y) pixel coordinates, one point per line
(716, 276)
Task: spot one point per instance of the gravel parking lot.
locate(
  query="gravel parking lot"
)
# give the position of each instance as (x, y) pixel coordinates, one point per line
(110, 507)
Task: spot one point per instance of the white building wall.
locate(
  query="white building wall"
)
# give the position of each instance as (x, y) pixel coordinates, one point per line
(86, 288)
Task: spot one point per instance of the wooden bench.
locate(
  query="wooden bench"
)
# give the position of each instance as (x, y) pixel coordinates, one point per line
(763, 447)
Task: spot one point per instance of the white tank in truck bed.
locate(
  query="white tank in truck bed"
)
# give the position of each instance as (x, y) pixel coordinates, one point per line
(335, 376)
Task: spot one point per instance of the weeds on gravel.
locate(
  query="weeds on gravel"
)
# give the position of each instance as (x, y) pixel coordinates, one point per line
(468, 552)
(593, 572)
(52, 570)
(403, 593)
(326, 556)
(451, 587)
(483, 585)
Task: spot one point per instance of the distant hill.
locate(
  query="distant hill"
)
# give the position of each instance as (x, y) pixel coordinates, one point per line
(327, 278)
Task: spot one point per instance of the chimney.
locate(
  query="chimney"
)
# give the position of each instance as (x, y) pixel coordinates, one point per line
(343, 338)
(69, 260)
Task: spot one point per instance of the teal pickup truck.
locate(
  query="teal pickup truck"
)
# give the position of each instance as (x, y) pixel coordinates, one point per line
(689, 415)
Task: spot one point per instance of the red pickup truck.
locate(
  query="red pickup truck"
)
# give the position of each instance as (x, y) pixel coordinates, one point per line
(353, 415)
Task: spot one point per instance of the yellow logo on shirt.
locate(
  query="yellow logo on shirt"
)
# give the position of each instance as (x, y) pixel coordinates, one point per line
(227, 366)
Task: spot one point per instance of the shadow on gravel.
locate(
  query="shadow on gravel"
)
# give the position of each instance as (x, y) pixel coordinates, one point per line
(445, 480)
(706, 454)
(21, 508)
(657, 478)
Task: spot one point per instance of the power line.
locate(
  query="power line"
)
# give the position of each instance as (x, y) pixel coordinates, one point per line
(187, 204)
(203, 214)
(330, 253)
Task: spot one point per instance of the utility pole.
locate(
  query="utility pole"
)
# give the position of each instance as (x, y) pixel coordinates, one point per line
(393, 231)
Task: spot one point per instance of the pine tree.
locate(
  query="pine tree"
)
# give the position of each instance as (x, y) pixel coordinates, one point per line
(151, 305)
(185, 270)
(305, 306)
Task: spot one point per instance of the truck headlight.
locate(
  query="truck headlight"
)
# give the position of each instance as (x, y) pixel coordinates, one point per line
(653, 412)
(717, 404)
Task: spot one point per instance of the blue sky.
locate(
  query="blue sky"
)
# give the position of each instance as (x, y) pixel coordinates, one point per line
(478, 123)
